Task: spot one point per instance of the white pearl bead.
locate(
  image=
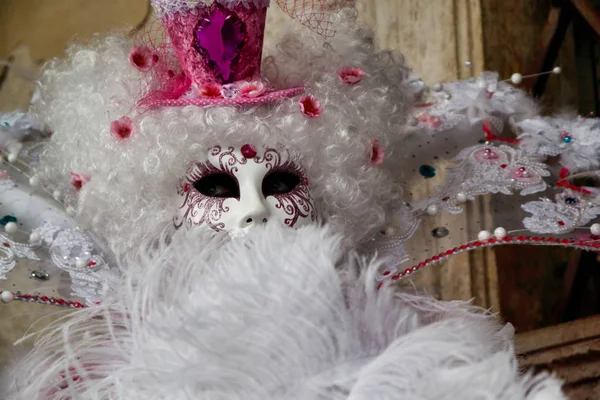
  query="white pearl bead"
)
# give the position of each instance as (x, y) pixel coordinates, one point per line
(12, 157)
(484, 235)
(500, 233)
(80, 262)
(11, 227)
(389, 231)
(516, 78)
(35, 237)
(437, 87)
(7, 297)
(556, 70)
(595, 229)
(57, 195)
(432, 209)
(34, 181)
(461, 197)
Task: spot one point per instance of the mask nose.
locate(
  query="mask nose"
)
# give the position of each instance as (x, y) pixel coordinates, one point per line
(256, 213)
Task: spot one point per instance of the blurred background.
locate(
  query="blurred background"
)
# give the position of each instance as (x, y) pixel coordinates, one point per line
(550, 295)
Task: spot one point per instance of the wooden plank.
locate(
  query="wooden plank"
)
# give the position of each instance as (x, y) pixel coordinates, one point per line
(559, 335)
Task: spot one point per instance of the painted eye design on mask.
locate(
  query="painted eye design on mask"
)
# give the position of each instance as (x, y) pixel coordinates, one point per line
(218, 185)
(279, 182)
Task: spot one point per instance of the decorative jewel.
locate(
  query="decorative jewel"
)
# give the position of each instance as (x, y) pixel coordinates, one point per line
(78, 180)
(377, 153)
(6, 219)
(500, 233)
(40, 275)
(7, 297)
(351, 76)
(595, 229)
(252, 89)
(248, 151)
(122, 128)
(427, 171)
(35, 238)
(310, 107)
(432, 209)
(440, 232)
(461, 197)
(566, 137)
(11, 227)
(484, 235)
(142, 58)
(230, 91)
(211, 89)
(5, 124)
(571, 201)
(219, 38)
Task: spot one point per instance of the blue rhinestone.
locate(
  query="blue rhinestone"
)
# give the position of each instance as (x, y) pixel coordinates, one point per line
(427, 171)
(571, 201)
(5, 124)
(6, 219)
(567, 139)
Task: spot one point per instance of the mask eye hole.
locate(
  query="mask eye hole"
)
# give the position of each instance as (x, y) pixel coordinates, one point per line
(218, 185)
(279, 182)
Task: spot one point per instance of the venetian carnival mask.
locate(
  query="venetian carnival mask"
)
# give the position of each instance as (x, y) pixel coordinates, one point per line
(236, 189)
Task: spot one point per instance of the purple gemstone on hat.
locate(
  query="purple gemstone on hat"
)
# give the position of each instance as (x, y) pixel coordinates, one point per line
(219, 38)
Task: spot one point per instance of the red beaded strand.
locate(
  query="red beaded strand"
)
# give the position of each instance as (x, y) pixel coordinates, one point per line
(523, 240)
(31, 298)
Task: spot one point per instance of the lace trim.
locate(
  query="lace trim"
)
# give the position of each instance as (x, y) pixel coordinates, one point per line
(168, 8)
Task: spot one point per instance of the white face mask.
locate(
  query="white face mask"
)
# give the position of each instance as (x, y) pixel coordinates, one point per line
(237, 189)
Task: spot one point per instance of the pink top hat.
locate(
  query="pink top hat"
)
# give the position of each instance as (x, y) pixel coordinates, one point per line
(212, 55)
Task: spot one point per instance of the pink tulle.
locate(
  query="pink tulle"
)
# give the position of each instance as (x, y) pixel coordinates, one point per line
(317, 15)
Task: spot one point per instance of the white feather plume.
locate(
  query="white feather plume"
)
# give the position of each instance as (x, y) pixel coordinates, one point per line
(281, 314)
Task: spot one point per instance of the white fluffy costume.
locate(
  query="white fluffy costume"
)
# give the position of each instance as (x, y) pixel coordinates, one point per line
(271, 317)
(277, 314)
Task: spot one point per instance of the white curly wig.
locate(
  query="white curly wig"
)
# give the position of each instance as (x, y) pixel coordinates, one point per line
(131, 183)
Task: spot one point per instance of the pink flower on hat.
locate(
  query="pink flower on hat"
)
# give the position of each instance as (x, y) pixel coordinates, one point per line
(377, 153)
(211, 89)
(78, 180)
(122, 128)
(142, 58)
(351, 75)
(310, 107)
(252, 89)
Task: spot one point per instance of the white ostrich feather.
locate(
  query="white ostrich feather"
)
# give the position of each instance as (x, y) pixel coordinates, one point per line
(278, 315)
